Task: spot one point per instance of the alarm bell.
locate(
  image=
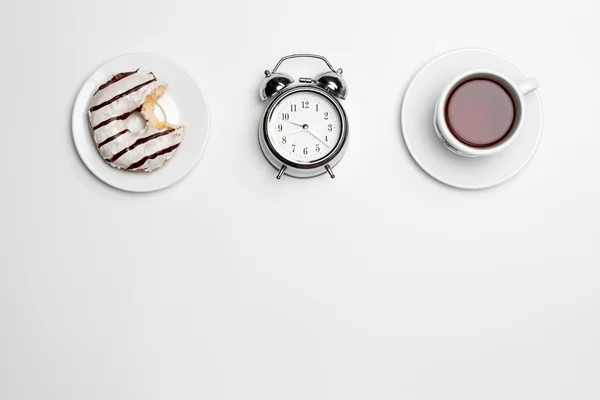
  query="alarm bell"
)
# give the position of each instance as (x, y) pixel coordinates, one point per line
(333, 83)
(274, 83)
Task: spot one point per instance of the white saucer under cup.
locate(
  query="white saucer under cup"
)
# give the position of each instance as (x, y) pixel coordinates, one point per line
(184, 103)
(427, 149)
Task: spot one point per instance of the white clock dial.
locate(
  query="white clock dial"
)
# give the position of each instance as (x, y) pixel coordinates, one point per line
(304, 127)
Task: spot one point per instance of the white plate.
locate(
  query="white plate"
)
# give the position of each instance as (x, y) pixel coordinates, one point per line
(429, 152)
(183, 103)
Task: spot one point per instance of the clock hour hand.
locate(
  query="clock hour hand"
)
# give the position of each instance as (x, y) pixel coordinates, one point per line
(293, 123)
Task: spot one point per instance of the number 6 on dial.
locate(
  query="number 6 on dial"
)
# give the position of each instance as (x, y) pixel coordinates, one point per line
(307, 117)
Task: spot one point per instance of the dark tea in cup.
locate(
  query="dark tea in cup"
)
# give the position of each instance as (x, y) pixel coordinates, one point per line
(480, 112)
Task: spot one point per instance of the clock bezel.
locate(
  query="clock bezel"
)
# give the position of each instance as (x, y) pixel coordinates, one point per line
(323, 161)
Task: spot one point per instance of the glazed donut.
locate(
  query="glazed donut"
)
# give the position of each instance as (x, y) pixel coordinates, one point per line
(118, 99)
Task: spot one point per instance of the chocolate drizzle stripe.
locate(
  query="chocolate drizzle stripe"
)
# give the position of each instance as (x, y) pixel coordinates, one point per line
(113, 137)
(140, 142)
(117, 97)
(118, 117)
(115, 79)
(162, 152)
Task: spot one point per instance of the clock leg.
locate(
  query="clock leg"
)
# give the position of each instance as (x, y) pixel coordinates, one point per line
(281, 171)
(328, 168)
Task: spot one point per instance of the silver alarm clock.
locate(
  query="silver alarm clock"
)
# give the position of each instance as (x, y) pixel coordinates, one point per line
(304, 130)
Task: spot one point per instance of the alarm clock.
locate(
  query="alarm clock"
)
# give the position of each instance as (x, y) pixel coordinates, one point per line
(304, 130)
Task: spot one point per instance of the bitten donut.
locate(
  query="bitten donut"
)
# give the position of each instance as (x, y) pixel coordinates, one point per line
(115, 101)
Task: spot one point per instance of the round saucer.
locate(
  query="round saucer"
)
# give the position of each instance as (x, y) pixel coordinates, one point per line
(431, 154)
(184, 103)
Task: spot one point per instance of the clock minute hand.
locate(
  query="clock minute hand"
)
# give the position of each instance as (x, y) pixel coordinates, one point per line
(321, 140)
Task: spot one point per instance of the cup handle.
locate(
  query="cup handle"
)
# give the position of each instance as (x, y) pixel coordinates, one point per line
(528, 86)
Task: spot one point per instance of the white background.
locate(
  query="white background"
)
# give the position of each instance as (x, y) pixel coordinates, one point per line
(380, 284)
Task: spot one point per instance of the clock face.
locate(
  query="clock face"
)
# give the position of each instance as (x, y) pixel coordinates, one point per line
(304, 127)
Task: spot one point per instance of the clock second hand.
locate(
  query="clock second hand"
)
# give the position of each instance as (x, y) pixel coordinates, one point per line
(293, 133)
(305, 128)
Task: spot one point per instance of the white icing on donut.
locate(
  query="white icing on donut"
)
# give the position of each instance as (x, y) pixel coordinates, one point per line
(110, 112)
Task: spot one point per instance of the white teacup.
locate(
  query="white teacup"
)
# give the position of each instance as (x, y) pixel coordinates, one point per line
(517, 91)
